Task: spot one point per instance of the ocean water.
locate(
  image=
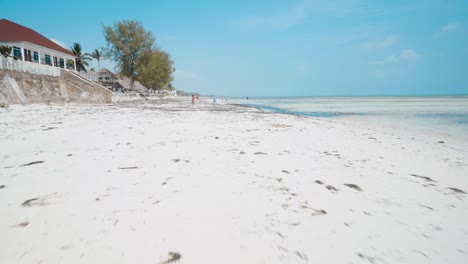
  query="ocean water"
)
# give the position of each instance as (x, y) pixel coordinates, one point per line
(445, 116)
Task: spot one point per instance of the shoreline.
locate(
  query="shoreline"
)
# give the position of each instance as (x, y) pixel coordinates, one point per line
(396, 121)
(133, 181)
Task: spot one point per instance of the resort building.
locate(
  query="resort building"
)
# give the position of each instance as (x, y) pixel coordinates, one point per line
(117, 83)
(107, 78)
(28, 45)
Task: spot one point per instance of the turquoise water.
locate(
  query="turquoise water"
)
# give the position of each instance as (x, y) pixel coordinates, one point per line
(446, 115)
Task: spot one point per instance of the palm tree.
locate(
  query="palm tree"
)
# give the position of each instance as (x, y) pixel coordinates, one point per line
(97, 55)
(81, 59)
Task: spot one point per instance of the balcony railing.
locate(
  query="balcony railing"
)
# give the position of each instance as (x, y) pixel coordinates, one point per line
(26, 66)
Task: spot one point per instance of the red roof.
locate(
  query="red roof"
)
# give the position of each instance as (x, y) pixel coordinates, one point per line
(10, 31)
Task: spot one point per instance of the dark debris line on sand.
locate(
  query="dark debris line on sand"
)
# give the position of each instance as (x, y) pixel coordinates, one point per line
(128, 168)
(32, 163)
(456, 190)
(423, 177)
(29, 202)
(362, 256)
(22, 224)
(353, 186)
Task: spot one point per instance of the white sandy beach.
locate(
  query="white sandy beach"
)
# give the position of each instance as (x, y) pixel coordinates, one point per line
(160, 180)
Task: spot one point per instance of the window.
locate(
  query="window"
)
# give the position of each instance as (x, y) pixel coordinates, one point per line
(17, 52)
(47, 60)
(36, 57)
(62, 63)
(55, 61)
(27, 55)
(70, 65)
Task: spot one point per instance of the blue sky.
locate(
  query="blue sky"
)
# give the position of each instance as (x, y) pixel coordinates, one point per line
(281, 48)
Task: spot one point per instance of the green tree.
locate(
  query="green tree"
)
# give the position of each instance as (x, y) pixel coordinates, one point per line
(96, 54)
(126, 41)
(155, 69)
(5, 50)
(81, 58)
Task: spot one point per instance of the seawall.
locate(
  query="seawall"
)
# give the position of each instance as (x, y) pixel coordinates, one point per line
(26, 88)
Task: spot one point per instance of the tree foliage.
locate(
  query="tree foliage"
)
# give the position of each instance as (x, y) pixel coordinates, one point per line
(155, 69)
(96, 54)
(81, 58)
(126, 41)
(5, 50)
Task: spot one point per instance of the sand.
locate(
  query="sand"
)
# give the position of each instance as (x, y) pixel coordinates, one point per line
(162, 181)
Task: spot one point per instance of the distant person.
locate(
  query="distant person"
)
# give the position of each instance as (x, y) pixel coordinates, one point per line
(247, 98)
(214, 100)
(193, 99)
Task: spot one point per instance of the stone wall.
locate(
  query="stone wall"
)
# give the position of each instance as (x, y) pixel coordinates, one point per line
(24, 88)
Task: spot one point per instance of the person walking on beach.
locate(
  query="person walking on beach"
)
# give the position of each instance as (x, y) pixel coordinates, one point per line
(193, 99)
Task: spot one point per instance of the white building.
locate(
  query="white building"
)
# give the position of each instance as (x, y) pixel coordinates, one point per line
(28, 45)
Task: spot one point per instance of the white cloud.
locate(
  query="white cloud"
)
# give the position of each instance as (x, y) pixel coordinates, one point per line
(381, 43)
(406, 55)
(449, 27)
(388, 60)
(60, 43)
(185, 74)
(298, 13)
(409, 55)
